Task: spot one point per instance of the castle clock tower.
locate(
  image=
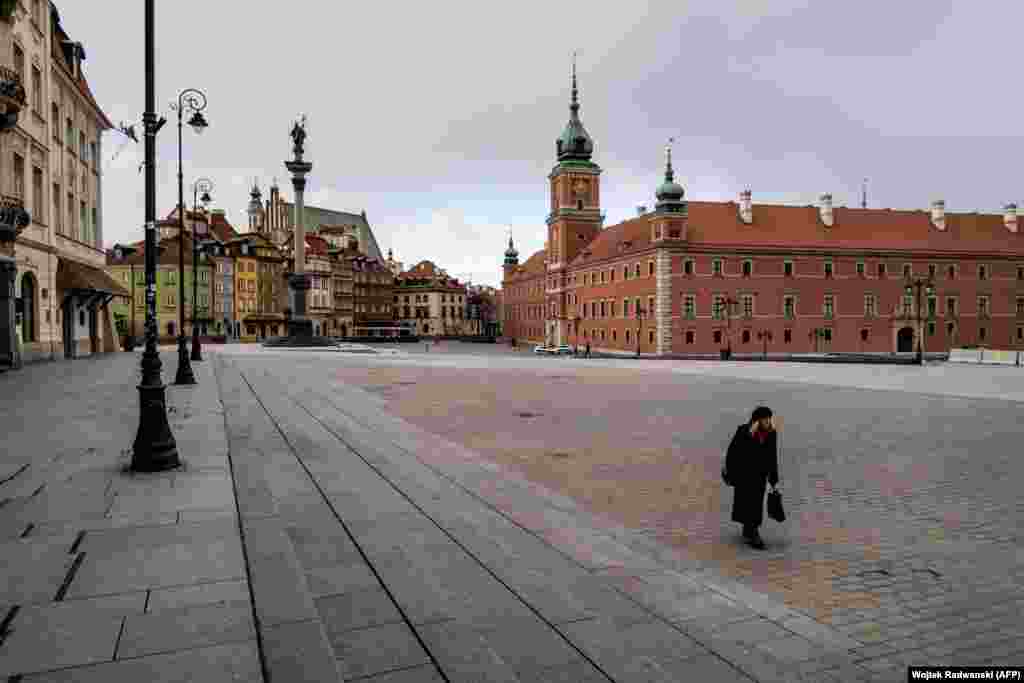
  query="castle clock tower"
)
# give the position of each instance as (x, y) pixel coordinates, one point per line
(575, 218)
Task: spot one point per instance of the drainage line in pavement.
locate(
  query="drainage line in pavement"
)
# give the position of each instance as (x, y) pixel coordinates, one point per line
(264, 671)
(6, 623)
(518, 525)
(454, 540)
(69, 577)
(17, 472)
(78, 542)
(359, 548)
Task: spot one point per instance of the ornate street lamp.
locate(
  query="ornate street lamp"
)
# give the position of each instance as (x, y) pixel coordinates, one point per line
(909, 289)
(193, 101)
(203, 186)
(154, 449)
(640, 312)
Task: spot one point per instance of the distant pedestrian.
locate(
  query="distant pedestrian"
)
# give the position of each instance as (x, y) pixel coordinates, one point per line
(588, 350)
(751, 460)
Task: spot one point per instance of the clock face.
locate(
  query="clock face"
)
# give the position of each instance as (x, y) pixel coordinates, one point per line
(580, 187)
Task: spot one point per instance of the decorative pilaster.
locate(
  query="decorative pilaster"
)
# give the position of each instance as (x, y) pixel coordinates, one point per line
(8, 330)
(663, 301)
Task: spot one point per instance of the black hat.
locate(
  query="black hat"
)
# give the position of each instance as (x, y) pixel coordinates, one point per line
(761, 412)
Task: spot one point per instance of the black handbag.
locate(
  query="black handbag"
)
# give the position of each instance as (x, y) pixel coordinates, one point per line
(774, 506)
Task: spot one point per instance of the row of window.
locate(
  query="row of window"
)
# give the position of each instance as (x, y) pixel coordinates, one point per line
(172, 300)
(825, 335)
(170, 277)
(629, 271)
(81, 225)
(950, 271)
(424, 312)
(723, 307)
(631, 336)
(424, 298)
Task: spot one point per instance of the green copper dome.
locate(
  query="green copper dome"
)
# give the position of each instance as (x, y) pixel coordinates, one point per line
(511, 255)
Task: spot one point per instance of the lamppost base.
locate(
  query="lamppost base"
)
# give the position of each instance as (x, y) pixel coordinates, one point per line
(197, 348)
(300, 327)
(154, 449)
(184, 374)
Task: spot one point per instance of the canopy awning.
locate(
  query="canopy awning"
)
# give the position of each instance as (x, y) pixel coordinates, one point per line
(78, 278)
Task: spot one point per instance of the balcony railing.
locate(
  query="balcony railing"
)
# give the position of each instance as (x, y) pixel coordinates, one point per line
(13, 218)
(12, 97)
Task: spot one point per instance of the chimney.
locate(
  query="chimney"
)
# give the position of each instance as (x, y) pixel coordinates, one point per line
(641, 210)
(939, 214)
(746, 207)
(826, 210)
(1010, 217)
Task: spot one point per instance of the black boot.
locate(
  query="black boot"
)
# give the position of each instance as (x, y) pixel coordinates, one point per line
(756, 541)
(749, 531)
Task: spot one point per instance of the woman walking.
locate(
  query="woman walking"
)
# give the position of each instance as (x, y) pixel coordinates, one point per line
(752, 460)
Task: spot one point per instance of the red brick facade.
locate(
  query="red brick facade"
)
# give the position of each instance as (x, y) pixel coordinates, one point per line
(810, 276)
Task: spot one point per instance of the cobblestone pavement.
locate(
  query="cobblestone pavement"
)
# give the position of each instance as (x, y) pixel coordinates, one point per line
(904, 515)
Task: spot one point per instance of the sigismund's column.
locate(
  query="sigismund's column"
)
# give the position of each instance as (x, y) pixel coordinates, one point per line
(299, 325)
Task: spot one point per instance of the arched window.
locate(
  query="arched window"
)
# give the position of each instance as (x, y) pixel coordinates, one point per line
(29, 328)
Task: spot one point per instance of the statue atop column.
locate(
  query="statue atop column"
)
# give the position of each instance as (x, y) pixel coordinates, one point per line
(299, 136)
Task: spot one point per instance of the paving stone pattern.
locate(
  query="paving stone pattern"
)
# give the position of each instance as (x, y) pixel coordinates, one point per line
(390, 518)
(901, 503)
(109, 576)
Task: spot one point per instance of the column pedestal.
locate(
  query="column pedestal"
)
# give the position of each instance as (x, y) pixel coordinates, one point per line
(298, 324)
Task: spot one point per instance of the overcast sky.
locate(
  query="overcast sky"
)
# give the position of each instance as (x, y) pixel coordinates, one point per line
(439, 119)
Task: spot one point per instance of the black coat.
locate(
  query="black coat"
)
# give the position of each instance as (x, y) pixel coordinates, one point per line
(750, 464)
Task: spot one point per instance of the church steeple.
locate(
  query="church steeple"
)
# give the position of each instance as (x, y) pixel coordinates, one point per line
(574, 142)
(255, 209)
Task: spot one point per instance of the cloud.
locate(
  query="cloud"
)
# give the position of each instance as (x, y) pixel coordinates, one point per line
(446, 134)
(466, 248)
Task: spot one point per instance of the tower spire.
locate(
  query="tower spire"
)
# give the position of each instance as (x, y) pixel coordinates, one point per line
(669, 175)
(574, 105)
(670, 193)
(574, 143)
(511, 255)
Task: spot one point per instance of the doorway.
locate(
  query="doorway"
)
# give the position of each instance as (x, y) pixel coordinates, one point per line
(905, 340)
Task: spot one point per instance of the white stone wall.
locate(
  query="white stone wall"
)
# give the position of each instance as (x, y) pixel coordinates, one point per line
(663, 301)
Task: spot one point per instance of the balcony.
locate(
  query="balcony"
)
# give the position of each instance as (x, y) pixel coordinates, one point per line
(12, 97)
(13, 218)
